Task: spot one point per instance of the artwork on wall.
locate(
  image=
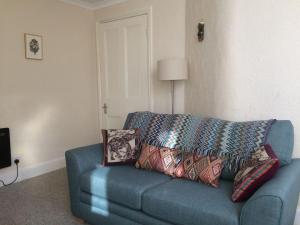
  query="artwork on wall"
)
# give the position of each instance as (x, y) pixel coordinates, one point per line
(33, 46)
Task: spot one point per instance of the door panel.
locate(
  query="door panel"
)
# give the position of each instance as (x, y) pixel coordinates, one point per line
(135, 63)
(113, 56)
(124, 78)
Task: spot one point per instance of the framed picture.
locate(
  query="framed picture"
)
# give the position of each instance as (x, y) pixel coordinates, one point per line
(33, 46)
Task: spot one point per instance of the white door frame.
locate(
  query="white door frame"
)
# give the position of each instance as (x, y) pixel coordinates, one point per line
(148, 13)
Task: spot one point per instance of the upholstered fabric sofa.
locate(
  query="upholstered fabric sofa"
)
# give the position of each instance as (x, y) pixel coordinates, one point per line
(124, 195)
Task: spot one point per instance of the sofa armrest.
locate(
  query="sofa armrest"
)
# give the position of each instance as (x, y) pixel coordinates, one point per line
(276, 201)
(79, 161)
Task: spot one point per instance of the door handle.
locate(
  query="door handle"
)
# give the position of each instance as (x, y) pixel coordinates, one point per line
(104, 107)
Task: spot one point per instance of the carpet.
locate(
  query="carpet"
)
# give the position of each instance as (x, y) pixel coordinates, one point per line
(43, 200)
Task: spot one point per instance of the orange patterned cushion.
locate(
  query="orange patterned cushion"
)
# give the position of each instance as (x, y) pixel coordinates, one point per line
(201, 168)
(149, 158)
(181, 165)
(164, 160)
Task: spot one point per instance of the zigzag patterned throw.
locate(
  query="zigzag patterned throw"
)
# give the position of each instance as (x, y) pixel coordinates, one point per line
(233, 141)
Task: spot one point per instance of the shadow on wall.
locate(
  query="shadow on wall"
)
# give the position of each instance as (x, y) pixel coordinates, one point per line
(31, 131)
(27, 139)
(245, 68)
(210, 68)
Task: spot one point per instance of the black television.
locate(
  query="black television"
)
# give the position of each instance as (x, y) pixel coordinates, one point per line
(5, 154)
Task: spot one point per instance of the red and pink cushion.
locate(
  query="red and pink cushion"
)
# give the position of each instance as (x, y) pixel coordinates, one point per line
(200, 168)
(259, 169)
(181, 165)
(149, 158)
(163, 160)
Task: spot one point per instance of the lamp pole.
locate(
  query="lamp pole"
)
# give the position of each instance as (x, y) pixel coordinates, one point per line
(172, 94)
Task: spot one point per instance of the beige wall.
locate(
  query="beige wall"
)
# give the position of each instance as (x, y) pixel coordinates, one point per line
(49, 105)
(248, 65)
(168, 41)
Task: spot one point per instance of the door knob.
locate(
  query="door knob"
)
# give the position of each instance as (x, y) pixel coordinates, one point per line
(104, 107)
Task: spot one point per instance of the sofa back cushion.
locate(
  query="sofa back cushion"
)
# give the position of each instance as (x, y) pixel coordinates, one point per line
(196, 134)
(281, 138)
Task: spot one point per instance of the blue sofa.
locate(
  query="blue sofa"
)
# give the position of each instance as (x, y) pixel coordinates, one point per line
(124, 195)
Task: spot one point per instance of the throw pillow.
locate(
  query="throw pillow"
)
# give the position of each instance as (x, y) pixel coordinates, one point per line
(120, 146)
(149, 158)
(260, 168)
(163, 160)
(181, 165)
(171, 160)
(201, 168)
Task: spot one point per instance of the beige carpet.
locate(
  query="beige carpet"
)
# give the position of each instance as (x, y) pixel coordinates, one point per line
(41, 200)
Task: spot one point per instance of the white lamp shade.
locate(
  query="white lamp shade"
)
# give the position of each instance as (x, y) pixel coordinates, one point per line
(172, 69)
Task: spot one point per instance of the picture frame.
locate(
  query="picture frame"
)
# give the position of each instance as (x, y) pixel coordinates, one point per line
(33, 46)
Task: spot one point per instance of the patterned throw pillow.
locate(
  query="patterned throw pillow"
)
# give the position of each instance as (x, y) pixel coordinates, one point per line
(201, 168)
(149, 158)
(259, 169)
(181, 165)
(163, 160)
(120, 146)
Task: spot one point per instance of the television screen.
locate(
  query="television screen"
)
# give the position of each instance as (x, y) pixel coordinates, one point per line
(5, 156)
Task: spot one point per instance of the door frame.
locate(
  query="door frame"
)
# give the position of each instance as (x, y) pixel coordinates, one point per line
(148, 13)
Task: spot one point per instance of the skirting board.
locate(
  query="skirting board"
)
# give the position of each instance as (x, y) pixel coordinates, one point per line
(33, 171)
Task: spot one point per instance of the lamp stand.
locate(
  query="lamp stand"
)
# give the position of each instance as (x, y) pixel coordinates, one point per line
(172, 93)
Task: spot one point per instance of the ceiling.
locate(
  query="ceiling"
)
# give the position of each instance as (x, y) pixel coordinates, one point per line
(93, 4)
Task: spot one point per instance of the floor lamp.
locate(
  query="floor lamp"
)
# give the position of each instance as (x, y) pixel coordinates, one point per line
(172, 70)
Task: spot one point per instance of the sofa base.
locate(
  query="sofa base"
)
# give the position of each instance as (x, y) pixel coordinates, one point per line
(283, 188)
(96, 216)
(102, 211)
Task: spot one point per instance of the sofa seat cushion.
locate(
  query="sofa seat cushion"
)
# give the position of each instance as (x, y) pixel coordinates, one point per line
(121, 184)
(184, 202)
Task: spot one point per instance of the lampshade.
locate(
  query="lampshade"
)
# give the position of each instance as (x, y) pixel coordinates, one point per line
(172, 69)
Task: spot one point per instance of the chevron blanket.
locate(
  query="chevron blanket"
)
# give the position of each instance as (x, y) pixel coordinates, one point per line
(233, 141)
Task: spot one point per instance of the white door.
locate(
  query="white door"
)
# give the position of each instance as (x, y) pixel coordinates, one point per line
(124, 78)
